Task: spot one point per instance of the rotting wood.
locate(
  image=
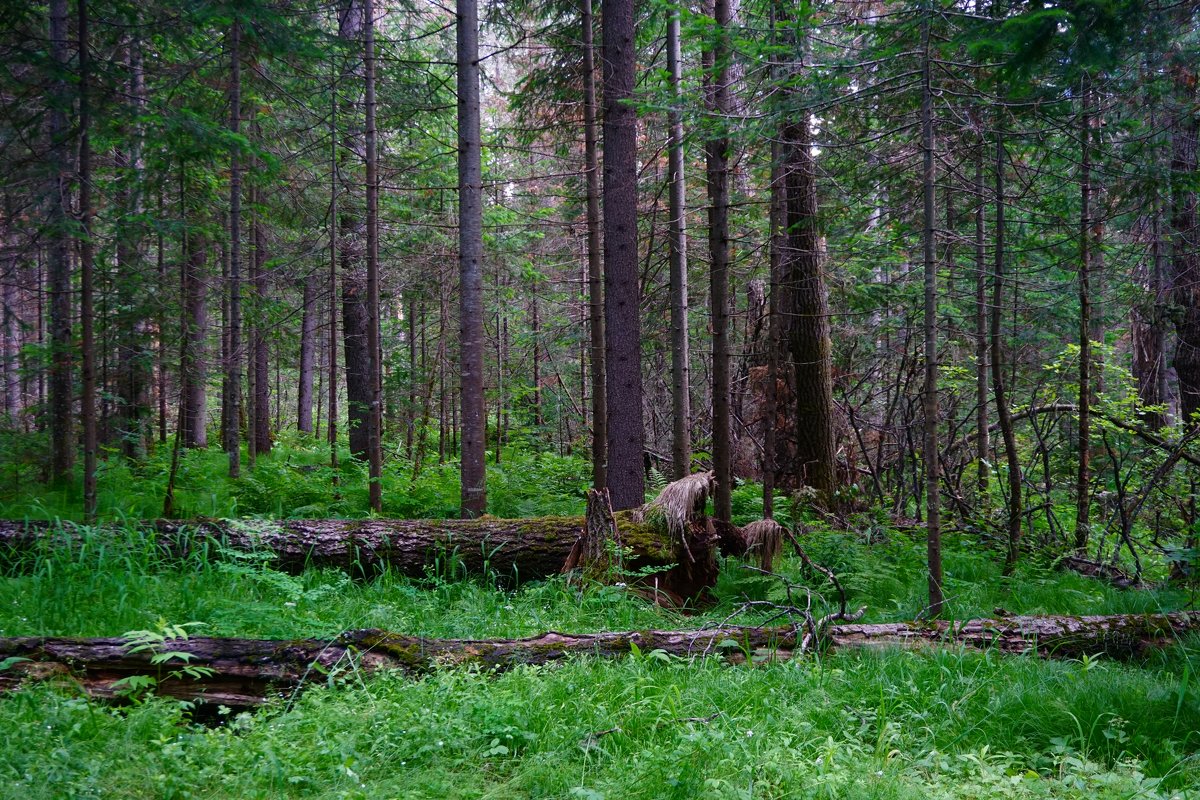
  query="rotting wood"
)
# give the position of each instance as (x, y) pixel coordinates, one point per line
(250, 672)
(675, 551)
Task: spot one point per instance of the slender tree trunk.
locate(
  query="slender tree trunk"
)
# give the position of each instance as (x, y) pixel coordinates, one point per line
(61, 391)
(334, 189)
(262, 366)
(778, 212)
(194, 369)
(622, 295)
(681, 406)
(87, 272)
(933, 520)
(1083, 482)
(470, 265)
(595, 266)
(983, 445)
(717, 174)
(999, 385)
(309, 322)
(375, 416)
(232, 431)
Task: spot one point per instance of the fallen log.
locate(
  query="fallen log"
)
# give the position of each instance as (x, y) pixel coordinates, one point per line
(249, 672)
(669, 543)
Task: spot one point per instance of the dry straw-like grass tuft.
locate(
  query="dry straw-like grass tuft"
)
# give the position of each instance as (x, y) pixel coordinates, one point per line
(764, 540)
(681, 501)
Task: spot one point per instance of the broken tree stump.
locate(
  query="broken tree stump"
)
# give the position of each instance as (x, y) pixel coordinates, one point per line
(249, 672)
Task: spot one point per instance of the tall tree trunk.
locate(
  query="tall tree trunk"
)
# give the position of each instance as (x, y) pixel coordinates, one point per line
(233, 400)
(1083, 481)
(983, 444)
(933, 520)
(61, 390)
(470, 265)
(999, 383)
(351, 248)
(87, 273)
(334, 189)
(717, 173)
(808, 312)
(261, 404)
(309, 322)
(595, 266)
(375, 414)
(135, 356)
(194, 369)
(681, 406)
(1185, 238)
(622, 295)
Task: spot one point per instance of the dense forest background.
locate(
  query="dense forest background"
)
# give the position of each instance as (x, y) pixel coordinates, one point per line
(806, 246)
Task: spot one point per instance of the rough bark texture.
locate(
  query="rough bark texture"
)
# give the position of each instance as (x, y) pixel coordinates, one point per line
(308, 354)
(249, 672)
(622, 294)
(527, 549)
(351, 246)
(1185, 241)
(62, 443)
(473, 469)
(716, 151)
(595, 267)
(805, 308)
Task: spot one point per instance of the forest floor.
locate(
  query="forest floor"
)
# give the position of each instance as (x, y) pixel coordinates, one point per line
(949, 723)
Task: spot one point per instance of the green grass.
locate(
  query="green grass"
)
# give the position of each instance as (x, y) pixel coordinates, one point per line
(950, 724)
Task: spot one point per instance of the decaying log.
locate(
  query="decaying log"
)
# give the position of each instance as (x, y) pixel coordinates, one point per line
(248, 672)
(1098, 569)
(673, 548)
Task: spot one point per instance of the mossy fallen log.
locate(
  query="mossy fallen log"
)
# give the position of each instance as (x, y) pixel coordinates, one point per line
(249, 672)
(674, 554)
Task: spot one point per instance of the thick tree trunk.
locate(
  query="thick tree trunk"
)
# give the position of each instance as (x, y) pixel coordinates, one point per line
(622, 293)
(806, 311)
(473, 468)
(351, 248)
(61, 390)
(1185, 240)
(249, 672)
(717, 175)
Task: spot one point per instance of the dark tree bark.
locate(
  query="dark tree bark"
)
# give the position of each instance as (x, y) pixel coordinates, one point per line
(87, 269)
(681, 405)
(261, 406)
(931, 454)
(355, 318)
(194, 367)
(595, 266)
(375, 412)
(470, 266)
(1083, 478)
(622, 293)
(807, 313)
(233, 399)
(248, 672)
(309, 321)
(1185, 238)
(717, 174)
(999, 382)
(61, 390)
(983, 444)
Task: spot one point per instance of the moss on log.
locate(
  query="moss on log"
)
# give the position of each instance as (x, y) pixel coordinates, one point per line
(249, 672)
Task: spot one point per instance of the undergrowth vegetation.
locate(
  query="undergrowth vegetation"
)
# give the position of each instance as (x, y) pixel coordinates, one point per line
(889, 724)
